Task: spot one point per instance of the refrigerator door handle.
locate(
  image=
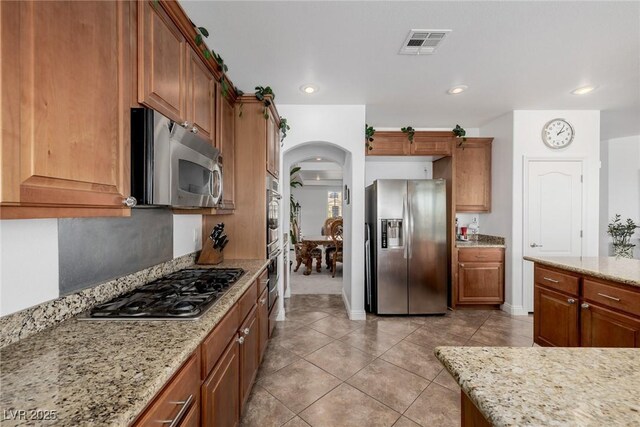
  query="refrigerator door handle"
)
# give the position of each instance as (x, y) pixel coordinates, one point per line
(408, 241)
(405, 227)
(367, 261)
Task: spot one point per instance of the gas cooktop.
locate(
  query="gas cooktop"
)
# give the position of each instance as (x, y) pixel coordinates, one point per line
(183, 295)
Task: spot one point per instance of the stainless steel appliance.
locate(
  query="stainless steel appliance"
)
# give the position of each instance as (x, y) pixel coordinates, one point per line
(274, 277)
(406, 236)
(273, 215)
(171, 165)
(184, 295)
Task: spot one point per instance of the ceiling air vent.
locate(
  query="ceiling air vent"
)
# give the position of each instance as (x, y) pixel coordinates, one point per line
(423, 42)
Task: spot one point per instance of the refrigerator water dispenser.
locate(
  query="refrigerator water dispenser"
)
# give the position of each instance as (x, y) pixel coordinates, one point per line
(391, 233)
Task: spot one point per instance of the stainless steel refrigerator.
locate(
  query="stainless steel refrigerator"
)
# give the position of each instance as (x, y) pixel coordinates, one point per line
(406, 247)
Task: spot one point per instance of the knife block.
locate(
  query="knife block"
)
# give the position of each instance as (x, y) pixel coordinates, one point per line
(210, 256)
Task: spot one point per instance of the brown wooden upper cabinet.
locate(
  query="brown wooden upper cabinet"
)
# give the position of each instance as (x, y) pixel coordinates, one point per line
(273, 146)
(425, 143)
(226, 143)
(162, 57)
(201, 97)
(473, 175)
(66, 91)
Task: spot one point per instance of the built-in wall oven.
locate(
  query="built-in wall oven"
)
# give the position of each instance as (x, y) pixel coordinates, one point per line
(273, 231)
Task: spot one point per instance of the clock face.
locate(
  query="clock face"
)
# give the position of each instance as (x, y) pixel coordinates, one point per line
(557, 133)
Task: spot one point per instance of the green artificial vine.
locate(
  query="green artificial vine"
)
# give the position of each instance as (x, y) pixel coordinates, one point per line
(459, 132)
(410, 133)
(369, 131)
(203, 32)
(261, 93)
(284, 127)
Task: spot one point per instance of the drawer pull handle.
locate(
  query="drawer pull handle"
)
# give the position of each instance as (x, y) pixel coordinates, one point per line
(481, 256)
(240, 340)
(246, 331)
(585, 306)
(263, 301)
(571, 301)
(551, 280)
(609, 296)
(186, 404)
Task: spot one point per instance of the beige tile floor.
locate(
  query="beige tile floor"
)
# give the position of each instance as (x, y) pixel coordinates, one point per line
(322, 369)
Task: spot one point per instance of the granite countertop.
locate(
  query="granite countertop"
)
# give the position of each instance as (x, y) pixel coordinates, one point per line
(483, 241)
(622, 270)
(548, 386)
(104, 372)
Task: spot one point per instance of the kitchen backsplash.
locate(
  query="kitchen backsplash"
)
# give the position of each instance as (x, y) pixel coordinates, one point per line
(93, 250)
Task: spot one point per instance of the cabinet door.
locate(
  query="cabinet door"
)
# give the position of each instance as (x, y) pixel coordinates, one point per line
(221, 390)
(473, 175)
(601, 327)
(227, 147)
(249, 357)
(263, 322)
(271, 141)
(431, 145)
(162, 53)
(555, 319)
(276, 151)
(480, 283)
(200, 96)
(66, 90)
(389, 144)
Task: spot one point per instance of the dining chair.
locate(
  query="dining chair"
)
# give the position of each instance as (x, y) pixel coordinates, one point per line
(336, 237)
(329, 249)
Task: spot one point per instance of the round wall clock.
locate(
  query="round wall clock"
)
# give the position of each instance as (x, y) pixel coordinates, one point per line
(557, 133)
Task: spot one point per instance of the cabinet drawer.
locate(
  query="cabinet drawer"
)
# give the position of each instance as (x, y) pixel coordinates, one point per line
(555, 280)
(247, 301)
(180, 394)
(262, 281)
(218, 339)
(480, 254)
(612, 296)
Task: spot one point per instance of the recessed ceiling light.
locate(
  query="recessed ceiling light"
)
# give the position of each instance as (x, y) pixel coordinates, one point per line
(457, 89)
(318, 158)
(318, 178)
(583, 90)
(309, 89)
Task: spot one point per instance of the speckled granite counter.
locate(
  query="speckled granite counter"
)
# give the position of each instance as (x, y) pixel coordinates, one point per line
(549, 386)
(102, 372)
(621, 270)
(483, 241)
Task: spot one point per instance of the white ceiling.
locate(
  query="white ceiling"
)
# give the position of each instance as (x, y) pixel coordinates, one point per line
(320, 173)
(512, 55)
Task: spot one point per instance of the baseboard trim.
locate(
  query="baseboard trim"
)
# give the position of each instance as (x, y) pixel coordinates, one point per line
(353, 314)
(515, 310)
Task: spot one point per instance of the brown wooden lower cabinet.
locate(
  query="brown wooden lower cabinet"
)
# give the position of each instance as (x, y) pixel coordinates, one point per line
(221, 390)
(471, 416)
(572, 310)
(601, 327)
(212, 386)
(249, 357)
(263, 322)
(480, 276)
(556, 322)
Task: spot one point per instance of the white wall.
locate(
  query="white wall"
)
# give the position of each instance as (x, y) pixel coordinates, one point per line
(187, 234)
(337, 126)
(313, 207)
(508, 164)
(621, 187)
(29, 258)
(28, 263)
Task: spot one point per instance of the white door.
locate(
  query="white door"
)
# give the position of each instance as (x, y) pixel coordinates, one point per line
(553, 214)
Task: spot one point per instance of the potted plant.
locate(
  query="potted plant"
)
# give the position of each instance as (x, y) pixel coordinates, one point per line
(369, 131)
(621, 233)
(460, 133)
(294, 206)
(410, 131)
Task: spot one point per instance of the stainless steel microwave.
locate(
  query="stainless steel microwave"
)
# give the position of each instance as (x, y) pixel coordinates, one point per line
(171, 165)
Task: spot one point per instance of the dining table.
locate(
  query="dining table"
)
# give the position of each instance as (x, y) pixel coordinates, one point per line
(309, 243)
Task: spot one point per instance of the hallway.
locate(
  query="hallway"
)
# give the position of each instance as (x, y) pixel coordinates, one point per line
(322, 369)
